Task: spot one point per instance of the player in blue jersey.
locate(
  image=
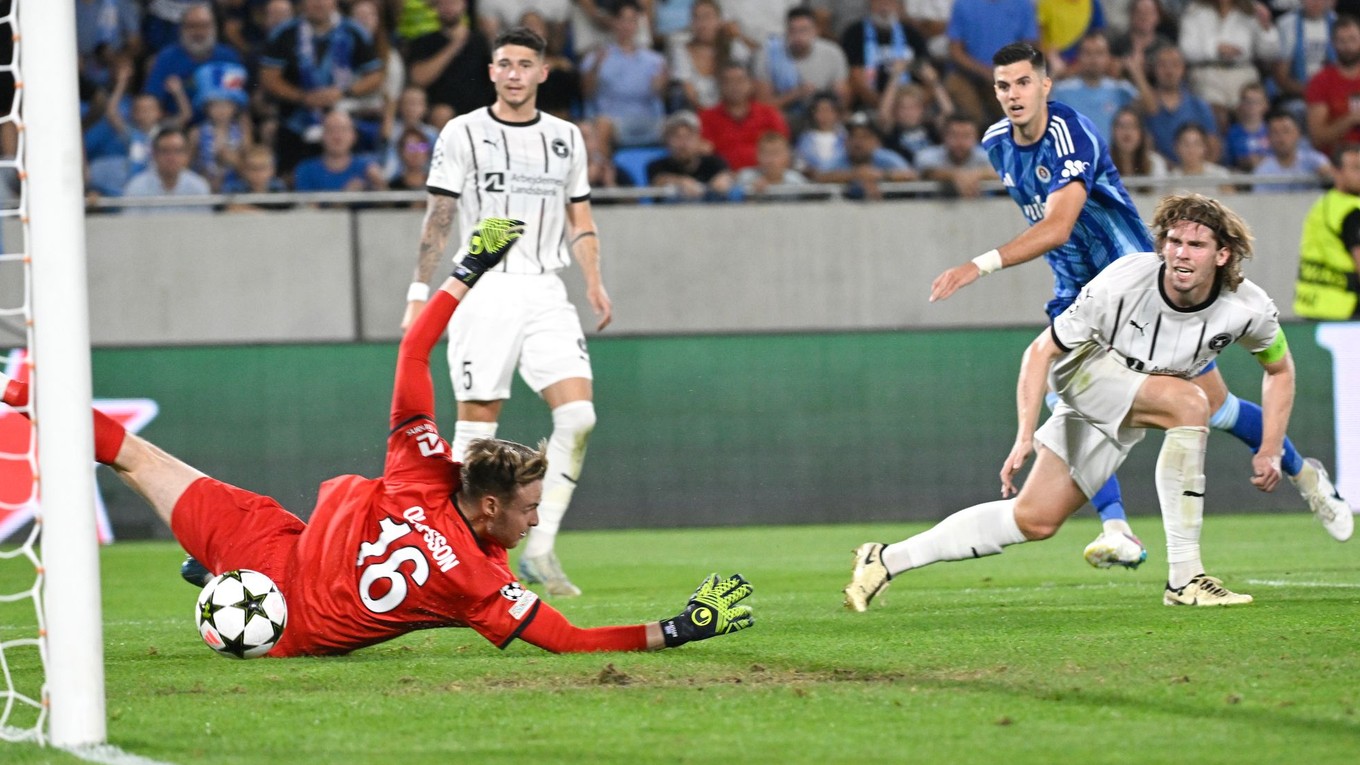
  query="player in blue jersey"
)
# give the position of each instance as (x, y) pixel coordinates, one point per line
(1058, 169)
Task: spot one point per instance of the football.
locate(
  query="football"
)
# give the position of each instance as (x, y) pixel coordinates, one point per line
(241, 614)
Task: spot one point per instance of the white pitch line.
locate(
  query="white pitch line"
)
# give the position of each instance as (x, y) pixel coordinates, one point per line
(106, 754)
(1319, 584)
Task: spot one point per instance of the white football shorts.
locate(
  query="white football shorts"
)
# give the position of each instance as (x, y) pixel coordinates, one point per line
(511, 320)
(1086, 428)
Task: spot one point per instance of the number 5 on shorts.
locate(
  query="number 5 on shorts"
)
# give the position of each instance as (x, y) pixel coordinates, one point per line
(467, 375)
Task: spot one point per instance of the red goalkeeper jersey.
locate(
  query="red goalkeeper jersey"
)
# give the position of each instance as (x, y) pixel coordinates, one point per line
(385, 556)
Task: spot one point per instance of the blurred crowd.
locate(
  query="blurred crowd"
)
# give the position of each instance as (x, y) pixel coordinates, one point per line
(711, 99)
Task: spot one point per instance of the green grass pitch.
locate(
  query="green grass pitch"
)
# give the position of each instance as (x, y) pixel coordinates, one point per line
(1026, 657)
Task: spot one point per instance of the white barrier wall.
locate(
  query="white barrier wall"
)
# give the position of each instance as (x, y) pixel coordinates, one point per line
(306, 276)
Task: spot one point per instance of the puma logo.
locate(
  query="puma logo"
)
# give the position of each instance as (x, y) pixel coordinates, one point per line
(1137, 326)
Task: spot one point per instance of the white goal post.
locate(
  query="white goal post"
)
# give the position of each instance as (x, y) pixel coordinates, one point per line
(51, 142)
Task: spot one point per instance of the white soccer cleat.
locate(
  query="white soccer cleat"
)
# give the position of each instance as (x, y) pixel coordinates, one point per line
(1327, 505)
(869, 578)
(1203, 590)
(546, 570)
(1115, 549)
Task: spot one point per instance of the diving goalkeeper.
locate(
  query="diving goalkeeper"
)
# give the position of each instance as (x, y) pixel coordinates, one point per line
(422, 546)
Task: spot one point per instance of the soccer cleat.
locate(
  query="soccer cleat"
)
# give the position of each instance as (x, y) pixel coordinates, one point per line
(1115, 549)
(1327, 505)
(870, 577)
(195, 573)
(546, 570)
(1203, 590)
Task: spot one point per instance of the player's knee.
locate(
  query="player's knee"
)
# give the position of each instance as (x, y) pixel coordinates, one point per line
(1193, 406)
(1035, 524)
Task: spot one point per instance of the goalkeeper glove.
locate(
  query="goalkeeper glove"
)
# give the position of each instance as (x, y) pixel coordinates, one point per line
(489, 242)
(711, 610)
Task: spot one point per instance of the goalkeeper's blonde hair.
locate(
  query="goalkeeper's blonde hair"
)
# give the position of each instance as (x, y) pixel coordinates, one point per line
(1229, 229)
(495, 467)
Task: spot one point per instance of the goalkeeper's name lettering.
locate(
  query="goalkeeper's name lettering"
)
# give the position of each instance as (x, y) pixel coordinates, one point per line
(439, 548)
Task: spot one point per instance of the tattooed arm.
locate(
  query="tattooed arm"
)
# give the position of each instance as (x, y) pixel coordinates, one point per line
(434, 237)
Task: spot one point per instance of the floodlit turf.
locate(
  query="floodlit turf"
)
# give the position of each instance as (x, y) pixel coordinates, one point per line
(1027, 657)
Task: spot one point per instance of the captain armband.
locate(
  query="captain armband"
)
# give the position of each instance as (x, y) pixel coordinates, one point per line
(1275, 351)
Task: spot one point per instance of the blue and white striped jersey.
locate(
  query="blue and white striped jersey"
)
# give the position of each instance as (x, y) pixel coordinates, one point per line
(1071, 151)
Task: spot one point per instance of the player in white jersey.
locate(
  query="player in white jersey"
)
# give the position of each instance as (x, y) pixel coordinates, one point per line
(511, 160)
(1124, 355)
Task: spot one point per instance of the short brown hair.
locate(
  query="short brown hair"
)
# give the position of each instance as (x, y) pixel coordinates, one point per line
(495, 467)
(1229, 229)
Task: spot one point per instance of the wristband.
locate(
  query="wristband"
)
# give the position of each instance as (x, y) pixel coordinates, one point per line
(988, 262)
(418, 291)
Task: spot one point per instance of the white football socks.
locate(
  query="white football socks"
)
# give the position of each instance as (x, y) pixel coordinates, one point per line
(467, 431)
(970, 533)
(1117, 526)
(572, 426)
(1180, 490)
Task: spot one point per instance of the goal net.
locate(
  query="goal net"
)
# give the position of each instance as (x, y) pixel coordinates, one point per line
(51, 638)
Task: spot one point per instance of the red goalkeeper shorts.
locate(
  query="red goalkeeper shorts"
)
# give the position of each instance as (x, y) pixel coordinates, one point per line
(226, 528)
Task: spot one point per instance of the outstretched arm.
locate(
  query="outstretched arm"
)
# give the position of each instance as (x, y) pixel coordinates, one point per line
(711, 611)
(434, 237)
(1029, 401)
(413, 393)
(1060, 217)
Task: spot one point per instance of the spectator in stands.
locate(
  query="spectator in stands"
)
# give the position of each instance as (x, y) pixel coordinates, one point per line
(774, 167)
(174, 66)
(107, 31)
(869, 164)
(371, 110)
(735, 125)
(496, 16)
(218, 142)
(791, 69)
(560, 94)
(338, 168)
(169, 174)
(1133, 48)
(686, 170)
(624, 83)
(1289, 155)
(977, 29)
(309, 65)
(414, 148)
(961, 163)
(1132, 151)
(1192, 156)
(161, 22)
(119, 147)
(930, 18)
(1169, 105)
(1305, 47)
(1091, 90)
(756, 21)
(1223, 40)
(1063, 24)
(1330, 94)
(822, 146)
(905, 122)
(415, 18)
(451, 64)
(256, 176)
(1247, 143)
(592, 24)
(699, 54)
(881, 50)
(410, 114)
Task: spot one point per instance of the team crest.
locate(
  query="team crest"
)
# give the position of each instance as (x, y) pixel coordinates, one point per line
(559, 148)
(1220, 341)
(1043, 174)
